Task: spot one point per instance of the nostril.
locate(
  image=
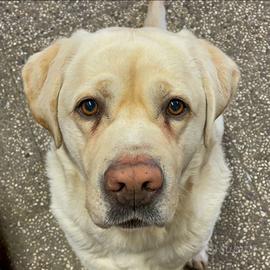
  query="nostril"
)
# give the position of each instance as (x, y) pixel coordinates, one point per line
(147, 186)
(114, 185)
(121, 186)
(117, 187)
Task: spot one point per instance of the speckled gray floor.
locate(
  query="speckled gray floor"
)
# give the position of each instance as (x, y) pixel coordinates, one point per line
(29, 236)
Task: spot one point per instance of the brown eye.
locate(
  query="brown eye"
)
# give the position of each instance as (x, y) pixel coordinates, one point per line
(88, 107)
(176, 107)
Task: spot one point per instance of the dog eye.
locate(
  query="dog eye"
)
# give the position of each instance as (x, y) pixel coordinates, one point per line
(88, 107)
(176, 107)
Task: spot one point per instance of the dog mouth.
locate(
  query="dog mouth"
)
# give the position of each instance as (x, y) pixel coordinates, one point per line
(130, 219)
(134, 223)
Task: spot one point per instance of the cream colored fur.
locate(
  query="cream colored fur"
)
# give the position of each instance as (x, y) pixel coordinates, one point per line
(132, 71)
(150, 248)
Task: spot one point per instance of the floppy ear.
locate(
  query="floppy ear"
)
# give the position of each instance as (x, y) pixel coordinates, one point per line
(220, 78)
(42, 79)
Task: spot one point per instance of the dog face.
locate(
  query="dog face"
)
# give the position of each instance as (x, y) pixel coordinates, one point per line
(130, 107)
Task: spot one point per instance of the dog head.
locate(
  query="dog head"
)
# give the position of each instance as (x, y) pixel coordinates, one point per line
(130, 107)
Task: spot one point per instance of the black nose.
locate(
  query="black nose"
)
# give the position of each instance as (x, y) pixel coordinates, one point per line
(133, 180)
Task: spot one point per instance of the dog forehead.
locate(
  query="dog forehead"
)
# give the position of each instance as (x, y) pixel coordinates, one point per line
(130, 58)
(114, 49)
(120, 47)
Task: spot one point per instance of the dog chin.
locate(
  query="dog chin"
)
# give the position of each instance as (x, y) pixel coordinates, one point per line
(133, 224)
(137, 224)
(129, 219)
(130, 224)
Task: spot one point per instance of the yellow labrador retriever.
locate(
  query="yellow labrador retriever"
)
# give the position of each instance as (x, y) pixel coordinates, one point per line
(137, 172)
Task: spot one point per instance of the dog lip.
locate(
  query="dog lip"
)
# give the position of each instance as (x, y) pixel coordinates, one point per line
(134, 223)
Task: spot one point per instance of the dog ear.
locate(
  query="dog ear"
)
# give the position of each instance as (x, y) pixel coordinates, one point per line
(42, 79)
(219, 74)
(220, 78)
